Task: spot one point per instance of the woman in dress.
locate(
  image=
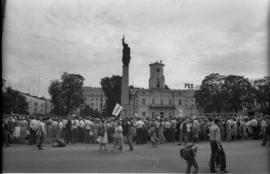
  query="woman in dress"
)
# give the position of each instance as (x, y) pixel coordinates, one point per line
(102, 136)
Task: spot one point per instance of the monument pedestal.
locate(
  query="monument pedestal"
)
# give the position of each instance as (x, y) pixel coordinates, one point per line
(125, 92)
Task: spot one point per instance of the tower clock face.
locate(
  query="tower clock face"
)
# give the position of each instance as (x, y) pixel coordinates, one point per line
(158, 70)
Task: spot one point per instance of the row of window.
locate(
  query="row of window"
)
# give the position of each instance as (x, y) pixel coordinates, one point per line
(101, 99)
(155, 114)
(161, 101)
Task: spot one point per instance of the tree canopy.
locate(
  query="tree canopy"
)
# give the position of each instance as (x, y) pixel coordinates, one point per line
(224, 93)
(66, 94)
(111, 87)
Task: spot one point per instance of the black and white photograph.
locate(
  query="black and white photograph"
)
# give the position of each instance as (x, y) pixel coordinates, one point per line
(135, 86)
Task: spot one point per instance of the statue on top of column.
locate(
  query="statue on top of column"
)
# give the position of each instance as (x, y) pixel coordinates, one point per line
(126, 52)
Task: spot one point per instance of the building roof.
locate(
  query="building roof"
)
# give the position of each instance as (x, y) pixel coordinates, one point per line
(157, 63)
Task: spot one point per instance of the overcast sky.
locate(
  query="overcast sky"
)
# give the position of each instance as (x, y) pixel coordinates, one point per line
(193, 38)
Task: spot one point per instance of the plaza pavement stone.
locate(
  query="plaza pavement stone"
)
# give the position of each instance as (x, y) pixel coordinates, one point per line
(242, 157)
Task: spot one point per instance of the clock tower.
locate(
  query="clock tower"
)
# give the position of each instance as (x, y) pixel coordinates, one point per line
(157, 79)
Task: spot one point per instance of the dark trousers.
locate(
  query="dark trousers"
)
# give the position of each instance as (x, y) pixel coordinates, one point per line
(215, 151)
(129, 141)
(32, 137)
(40, 141)
(265, 138)
(81, 134)
(67, 135)
(185, 137)
(139, 138)
(74, 133)
(190, 163)
(6, 139)
(86, 136)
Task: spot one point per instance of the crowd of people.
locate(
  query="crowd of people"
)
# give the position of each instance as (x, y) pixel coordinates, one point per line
(60, 131)
(77, 129)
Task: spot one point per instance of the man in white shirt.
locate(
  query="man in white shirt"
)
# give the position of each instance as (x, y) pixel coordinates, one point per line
(254, 124)
(139, 125)
(74, 129)
(87, 124)
(81, 130)
(216, 147)
(173, 129)
(40, 133)
(167, 131)
(229, 129)
(33, 128)
(196, 128)
(59, 128)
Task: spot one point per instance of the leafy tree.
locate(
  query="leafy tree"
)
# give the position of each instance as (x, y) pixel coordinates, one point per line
(14, 101)
(238, 90)
(112, 90)
(67, 94)
(57, 98)
(72, 91)
(225, 93)
(210, 97)
(263, 98)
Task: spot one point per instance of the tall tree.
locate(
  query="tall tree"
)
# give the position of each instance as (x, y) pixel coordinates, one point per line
(72, 91)
(67, 94)
(263, 98)
(112, 90)
(210, 97)
(238, 90)
(57, 98)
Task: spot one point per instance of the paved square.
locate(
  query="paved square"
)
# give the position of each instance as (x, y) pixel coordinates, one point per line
(242, 157)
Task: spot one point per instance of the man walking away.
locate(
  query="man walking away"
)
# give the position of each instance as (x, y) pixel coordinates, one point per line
(216, 147)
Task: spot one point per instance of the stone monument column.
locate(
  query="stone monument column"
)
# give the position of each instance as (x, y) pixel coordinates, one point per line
(125, 80)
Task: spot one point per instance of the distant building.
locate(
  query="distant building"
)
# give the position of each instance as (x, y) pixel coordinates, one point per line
(157, 101)
(37, 105)
(261, 82)
(152, 102)
(94, 97)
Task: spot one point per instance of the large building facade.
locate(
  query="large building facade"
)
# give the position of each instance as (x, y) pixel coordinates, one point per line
(94, 97)
(37, 105)
(157, 101)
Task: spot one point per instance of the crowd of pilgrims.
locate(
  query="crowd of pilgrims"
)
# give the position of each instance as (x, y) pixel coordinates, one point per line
(77, 129)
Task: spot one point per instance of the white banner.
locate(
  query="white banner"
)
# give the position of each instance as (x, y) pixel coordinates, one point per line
(117, 109)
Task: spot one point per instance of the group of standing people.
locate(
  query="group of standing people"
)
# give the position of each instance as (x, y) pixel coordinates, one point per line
(76, 129)
(189, 131)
